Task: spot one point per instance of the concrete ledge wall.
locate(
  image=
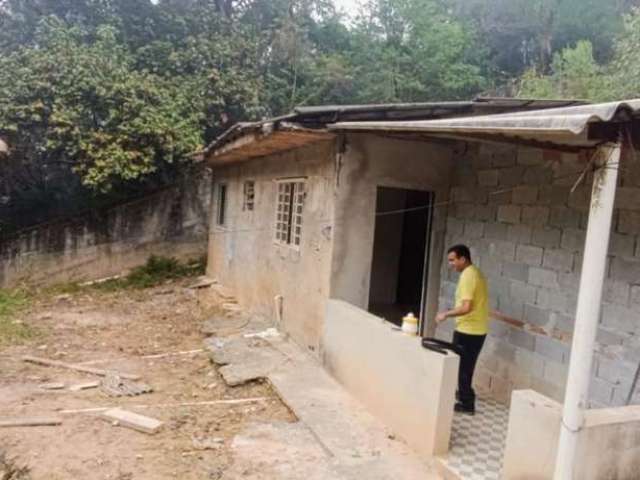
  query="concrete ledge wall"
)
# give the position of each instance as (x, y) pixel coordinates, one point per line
(410, 389)
(526, 229)
(172, 222)
(609, 445)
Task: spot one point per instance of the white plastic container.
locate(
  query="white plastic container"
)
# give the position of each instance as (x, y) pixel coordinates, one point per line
(410, 324)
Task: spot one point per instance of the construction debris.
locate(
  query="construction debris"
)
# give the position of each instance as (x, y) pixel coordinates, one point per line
(207, 443)
(235, 401)
(132, 420)
(30, 421)
(84, 386)
(52, 386)
(173, 354)
(203, 282)
(79, 368)
(115, 386)
(269, 332)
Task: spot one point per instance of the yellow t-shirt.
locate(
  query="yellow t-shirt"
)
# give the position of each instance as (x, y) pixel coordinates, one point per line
(473, 286)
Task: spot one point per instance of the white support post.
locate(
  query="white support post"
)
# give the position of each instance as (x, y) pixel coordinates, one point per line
(588, 310)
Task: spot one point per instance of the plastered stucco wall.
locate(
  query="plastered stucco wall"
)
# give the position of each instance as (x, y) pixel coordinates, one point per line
(370, 161)
(608, 446)
(243, 254)
(514, 207)
(107, 242)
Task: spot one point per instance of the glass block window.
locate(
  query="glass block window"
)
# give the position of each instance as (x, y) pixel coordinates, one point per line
(290, 203)
(249, 195)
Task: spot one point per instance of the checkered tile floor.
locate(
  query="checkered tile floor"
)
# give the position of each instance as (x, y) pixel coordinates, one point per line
(477, 442)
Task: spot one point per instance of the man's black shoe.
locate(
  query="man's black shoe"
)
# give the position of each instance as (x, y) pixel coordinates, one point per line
(461, 408)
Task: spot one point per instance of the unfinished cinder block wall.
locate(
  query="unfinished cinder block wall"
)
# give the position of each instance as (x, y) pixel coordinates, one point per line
(514, 207)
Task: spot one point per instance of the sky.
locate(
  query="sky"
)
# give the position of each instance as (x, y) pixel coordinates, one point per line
(349, 6)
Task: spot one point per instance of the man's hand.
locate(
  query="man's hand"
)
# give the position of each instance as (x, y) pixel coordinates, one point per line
(441, 317)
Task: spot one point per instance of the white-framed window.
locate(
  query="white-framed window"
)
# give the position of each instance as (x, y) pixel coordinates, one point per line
(249, 195)
(221, 207)
(289, 207)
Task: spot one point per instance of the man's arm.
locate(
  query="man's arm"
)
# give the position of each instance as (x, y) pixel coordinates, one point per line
(463, 309)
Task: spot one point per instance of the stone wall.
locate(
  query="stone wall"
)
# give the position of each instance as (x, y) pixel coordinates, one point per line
(172, 222)
(526, 229)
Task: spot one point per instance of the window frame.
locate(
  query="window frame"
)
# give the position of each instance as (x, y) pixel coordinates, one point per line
(289, 212)
(248, 198)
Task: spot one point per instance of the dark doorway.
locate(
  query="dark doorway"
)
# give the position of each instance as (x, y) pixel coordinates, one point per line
(403, 221)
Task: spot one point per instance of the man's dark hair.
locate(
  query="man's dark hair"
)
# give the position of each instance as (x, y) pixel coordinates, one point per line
(460, 251)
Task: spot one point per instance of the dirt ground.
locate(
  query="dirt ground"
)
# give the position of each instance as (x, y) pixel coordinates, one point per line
(115, 331)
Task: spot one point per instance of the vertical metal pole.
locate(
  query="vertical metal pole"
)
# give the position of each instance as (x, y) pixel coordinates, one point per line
(588, 310)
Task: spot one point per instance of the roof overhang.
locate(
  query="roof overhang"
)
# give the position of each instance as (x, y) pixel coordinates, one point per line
(563, 128)
(258, 140)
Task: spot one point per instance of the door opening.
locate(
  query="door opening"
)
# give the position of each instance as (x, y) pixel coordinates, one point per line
(400, 246)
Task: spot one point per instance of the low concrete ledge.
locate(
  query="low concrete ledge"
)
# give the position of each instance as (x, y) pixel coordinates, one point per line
(608, 447)
(410, 389)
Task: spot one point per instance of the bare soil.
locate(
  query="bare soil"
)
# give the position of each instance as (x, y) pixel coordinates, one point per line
(115, 331)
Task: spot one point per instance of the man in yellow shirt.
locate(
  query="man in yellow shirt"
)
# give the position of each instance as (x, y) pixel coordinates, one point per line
(472, 321)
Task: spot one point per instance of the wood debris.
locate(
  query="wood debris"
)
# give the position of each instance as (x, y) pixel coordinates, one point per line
(52, 386)
(115, 386)
(132, 420)
(94, 371)
(84, 386)
(30, 421)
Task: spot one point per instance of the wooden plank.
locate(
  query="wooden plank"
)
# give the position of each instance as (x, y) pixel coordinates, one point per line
(84, 386)
(30, 421)
(133, 420)
(79, 368)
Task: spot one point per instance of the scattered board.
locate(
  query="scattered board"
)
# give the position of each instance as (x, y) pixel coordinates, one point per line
(30, 421)
(132, 420)
(79, 368)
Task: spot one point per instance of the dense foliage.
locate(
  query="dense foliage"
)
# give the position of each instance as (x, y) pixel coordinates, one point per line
(102, 98)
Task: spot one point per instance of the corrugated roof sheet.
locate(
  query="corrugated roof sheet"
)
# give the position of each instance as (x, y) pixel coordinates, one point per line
(561, 125)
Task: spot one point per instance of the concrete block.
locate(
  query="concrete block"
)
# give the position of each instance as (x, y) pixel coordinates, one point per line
(543, 278)
(454, 226)
(600, 391)
(628, 198)
(496, 231)
(635, 296)
(580, 198)
(607, 337)
(515, 271)
(525, 195)
(555, 372)
(491, 266)
(619, 318)
(488, 178)
(563, 217)
(502, 156)
(502, 197)
(473, 229)
(499, 287)
(463, 178)
(538, 176)
(573, 240)
(511, 307)
(553, 195)
(552, 349)
(132, 420)
(629, 222)
(485, 213)
(616, 292)
(530, 157)
(617, 372)
(522, 339)
(622, 245)
(546, 237)
(463, 195)
(501, 389)
(463, 211)
(482, 379)
(555, 299)
(559, 260)
(509, 213)
(499, 329)
(530, 362)
(519, 233)
(562, 321)
(625, 270)
(536, 216)
(510, 177)
(523, 292)
(529, 255)
(505, 251)
(536, 315)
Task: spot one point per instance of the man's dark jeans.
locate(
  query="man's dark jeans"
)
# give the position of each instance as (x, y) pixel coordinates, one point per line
(468, 347)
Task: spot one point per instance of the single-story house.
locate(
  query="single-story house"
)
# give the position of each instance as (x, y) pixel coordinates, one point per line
(333, 218)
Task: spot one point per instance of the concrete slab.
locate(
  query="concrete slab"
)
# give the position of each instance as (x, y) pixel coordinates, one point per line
(334, 430)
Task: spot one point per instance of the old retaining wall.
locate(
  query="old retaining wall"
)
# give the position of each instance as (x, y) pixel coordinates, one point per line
(514, 208)
(172, 222)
